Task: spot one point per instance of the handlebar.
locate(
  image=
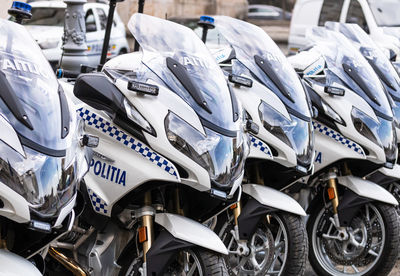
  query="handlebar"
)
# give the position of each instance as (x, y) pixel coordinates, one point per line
(61, 73)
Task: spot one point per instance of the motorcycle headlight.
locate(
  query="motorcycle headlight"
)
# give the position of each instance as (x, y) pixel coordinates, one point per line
(381, 133)
(222, 156)
(296, 133)
(47, 183)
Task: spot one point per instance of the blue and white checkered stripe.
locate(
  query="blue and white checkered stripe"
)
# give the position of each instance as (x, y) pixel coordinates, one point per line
(98, 204)
(338, 137)
(105, 126)
(258, 144)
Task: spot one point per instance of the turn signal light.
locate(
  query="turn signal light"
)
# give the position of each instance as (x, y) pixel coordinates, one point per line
(142, 234)
(331, 193)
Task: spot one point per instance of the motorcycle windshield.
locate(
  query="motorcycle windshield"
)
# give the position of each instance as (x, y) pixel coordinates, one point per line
(263, 58)
(29, 96)
(376, 58)
(347, 63)
(182, 61)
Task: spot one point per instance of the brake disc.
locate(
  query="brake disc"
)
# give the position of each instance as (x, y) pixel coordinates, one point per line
(335, 249)
(240, 264)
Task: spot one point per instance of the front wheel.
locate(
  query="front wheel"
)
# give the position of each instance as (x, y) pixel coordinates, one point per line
(193, 261)
(279, 246)
(368, 246)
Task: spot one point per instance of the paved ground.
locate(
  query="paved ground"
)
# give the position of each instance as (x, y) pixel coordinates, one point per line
(395, 271)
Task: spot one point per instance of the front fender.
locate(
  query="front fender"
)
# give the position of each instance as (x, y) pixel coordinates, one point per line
(14, 265)
(392, 173)
(367, 189)
(191, 231)
(273, 198)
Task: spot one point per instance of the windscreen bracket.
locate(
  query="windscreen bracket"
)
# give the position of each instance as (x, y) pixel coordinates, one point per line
(12, 101)
(267, 68)
(181, 73)
(352, 72)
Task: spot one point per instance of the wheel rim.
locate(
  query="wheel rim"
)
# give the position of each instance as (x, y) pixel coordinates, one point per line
(357, 254)
(186, 263)
(268, 247)
(190, 266)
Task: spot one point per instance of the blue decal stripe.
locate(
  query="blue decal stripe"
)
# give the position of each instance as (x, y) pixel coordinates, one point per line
(338, 137)
(258, 144)
(99, 204)
(98, 122)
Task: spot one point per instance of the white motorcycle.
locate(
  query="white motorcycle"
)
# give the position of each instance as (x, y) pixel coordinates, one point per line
(171, 154)
(353, 226)
(282, 151)
(42, 154)
(388, 176)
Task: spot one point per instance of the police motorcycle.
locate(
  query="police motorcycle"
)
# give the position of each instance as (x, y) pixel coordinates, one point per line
(390, 79)
(42, 153)
(282, 151)
(171, 155)
(353, 226)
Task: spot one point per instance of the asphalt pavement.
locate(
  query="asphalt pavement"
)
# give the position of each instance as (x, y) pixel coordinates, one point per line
(394, 272)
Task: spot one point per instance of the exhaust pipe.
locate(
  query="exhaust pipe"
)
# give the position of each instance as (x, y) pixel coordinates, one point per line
(68, 263)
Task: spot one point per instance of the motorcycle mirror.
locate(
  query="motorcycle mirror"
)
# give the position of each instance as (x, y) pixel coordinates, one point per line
(240, 81)
(90, 141)
(314, 112)
(98, 92)
(334, 91)
(252, 127)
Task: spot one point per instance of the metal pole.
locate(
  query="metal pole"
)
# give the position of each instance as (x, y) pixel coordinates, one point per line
(106, 41)
(140, 10)
(74, 39)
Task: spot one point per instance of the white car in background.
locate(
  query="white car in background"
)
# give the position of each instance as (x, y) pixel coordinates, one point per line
(47, 28)
(267, 12)
(379, 18)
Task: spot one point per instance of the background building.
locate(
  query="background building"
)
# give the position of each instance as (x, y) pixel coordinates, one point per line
(184, 8)
(170, 8)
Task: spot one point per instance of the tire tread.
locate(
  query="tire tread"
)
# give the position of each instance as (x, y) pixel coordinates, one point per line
(214, 264)
(298, 247)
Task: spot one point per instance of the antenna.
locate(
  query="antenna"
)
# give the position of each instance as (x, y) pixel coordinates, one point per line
(140, 10)
(106, 41)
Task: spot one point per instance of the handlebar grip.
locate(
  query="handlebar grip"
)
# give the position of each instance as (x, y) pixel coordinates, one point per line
(61, 73)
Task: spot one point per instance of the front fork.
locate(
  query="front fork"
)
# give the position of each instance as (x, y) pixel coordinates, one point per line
(333, 196)
(242, 248)
(146, 232)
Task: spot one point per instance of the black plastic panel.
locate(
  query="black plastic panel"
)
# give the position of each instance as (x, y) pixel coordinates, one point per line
(12, 101)
(184, 78)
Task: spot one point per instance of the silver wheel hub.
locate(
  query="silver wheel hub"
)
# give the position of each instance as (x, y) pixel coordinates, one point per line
(264, 253)
(351, 250)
